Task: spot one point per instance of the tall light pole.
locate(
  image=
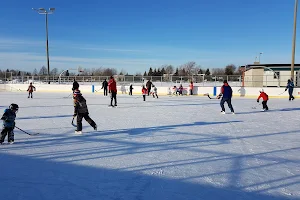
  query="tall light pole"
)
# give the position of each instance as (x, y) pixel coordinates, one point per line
(45, 12)
(294, 39)
(259, 57)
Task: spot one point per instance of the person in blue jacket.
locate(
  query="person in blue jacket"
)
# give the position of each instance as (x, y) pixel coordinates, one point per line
(226, 94)
(290, 86)
(8, 118)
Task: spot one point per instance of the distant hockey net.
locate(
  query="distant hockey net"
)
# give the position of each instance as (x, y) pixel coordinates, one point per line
(7, 88)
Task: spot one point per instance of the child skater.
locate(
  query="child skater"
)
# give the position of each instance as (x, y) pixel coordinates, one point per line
(8, 118)
(81, 111)
(30, 90)
(265, 98)
(144, 92)
(154, 93)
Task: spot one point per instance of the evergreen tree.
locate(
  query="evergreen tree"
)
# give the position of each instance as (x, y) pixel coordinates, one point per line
(150, 73)
(207, 73)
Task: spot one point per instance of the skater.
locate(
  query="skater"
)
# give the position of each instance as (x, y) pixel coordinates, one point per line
(81, 111)
(130, 89)
(180, 90)
(75, 85)
(154, 92)
(226, 93)
(191, 88)
(104, 87)
(112, 87)
(8, 118)
(265, 98)
(30, 90)
(144, 92)
(290, 86)
(148, 86)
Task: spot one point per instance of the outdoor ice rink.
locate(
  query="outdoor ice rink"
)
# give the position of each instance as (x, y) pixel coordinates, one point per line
(171, 148)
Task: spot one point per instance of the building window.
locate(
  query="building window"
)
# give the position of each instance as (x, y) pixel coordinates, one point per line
(278, 75)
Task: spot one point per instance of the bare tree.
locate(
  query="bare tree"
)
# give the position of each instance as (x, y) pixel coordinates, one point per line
(169, 69)
(189, 67)
(43, 71)
(217, 71)
(230, 69)
(109, 72)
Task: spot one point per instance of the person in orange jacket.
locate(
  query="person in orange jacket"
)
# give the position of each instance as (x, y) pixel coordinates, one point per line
(144, 92)
(30, 90)
(265, 98)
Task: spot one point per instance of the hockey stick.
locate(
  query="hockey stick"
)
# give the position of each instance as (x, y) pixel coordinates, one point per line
(73, 122)
(68, 95)
(212, 97)
(282, 92)
(254, 107)
(26, 131)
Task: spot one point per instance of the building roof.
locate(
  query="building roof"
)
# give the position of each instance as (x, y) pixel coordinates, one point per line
(272, 65)
(281, 67)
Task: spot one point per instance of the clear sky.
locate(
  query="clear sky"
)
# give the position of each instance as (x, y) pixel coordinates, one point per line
(136, 34)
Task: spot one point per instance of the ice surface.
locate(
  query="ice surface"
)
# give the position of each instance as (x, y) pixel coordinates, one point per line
(167, 148)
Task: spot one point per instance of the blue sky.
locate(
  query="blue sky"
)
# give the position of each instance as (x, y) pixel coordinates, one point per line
(134, 34)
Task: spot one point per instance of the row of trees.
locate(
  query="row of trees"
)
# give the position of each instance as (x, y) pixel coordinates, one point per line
(188, 69)
(191, 68)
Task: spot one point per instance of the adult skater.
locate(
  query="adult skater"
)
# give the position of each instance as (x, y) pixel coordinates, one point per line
(130, 89)
(148, 86)
(75, 85)
(112, 87)
(290, 86)
(104, 87)
(191, 88)
(226, 93)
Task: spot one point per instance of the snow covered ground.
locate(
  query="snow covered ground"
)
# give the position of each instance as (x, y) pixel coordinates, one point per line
(167, 148)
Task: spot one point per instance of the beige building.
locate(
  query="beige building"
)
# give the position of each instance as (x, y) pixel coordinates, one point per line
(270, 75)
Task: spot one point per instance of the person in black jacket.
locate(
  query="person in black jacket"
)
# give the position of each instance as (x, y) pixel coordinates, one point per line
(290, 86)
(130, 89)
(104, 87)
(8, 118)
(81, 111)
(226, 93)
(148, 86)
(75, 85)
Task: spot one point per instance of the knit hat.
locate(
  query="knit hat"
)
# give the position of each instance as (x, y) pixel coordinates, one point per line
(77, 92)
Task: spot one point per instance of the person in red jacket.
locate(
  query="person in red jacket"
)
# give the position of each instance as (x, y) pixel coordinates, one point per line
(144, 92)
(265, 98)
(112, 88)
(191, 88)
(30, 90)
